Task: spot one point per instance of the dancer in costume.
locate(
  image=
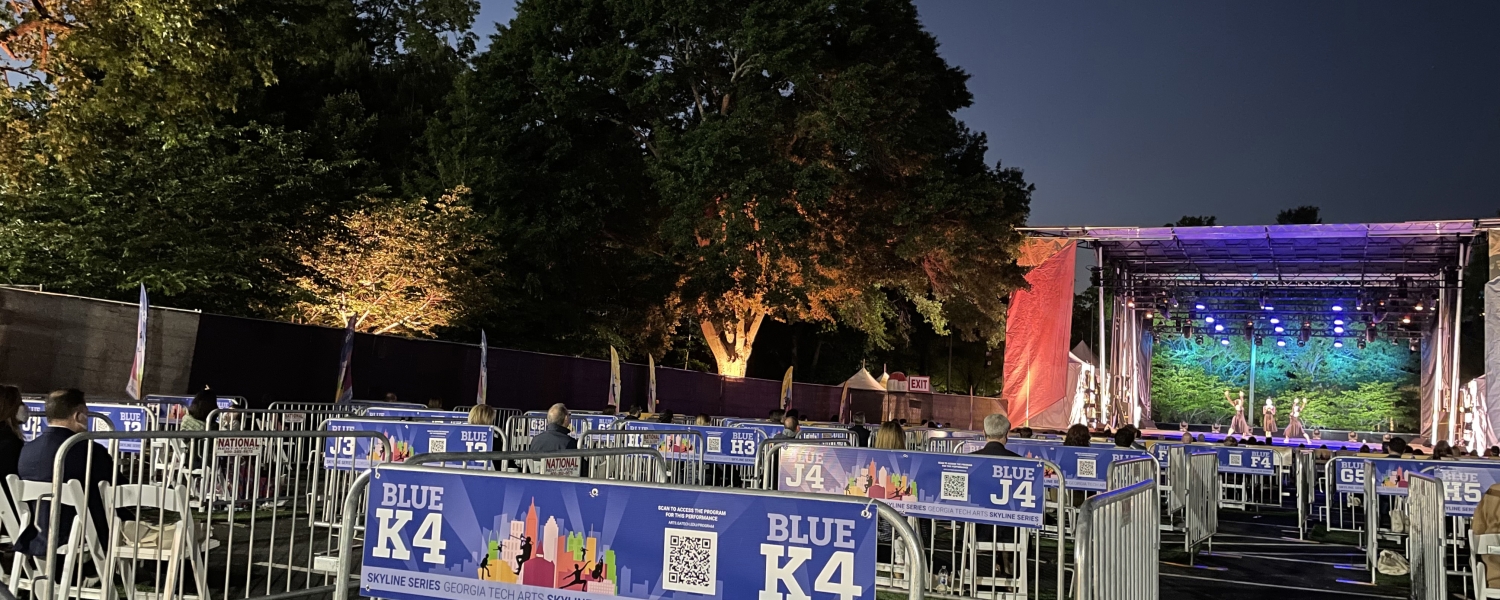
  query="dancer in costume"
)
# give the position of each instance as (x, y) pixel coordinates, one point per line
(1238, 426)
(1268, 417)
(1294, 421)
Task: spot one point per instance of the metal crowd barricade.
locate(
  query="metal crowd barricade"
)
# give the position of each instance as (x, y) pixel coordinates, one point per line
(684, 461)
(1304, 471)
(353, 503)
(1341, 511)
(176, 534)
(644, 465)
(1427, 541)
(1241, 490)
(1201, 501)
(764, 477)
(1117, 542)
(1123, 473)
(317, 411)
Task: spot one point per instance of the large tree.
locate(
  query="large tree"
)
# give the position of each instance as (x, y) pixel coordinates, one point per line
(656, 163)
(196, 145)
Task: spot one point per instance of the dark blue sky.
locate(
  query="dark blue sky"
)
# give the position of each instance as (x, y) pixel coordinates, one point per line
(1136, 113)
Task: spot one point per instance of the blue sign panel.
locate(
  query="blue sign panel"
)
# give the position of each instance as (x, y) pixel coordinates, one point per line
(981, 489)
(403, 440)
(124, 417)
(536, 422)
(721, 445)
(1232, 459)
(1084, 468)
(32, 427)
(806, 432)
(413, 413)
(436, 534)
(1464, 482)
(170, 410)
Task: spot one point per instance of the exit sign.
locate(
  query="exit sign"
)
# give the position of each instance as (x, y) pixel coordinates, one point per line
(918, 383)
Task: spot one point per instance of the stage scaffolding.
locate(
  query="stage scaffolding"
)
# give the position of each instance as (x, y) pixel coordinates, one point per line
(1381, 282)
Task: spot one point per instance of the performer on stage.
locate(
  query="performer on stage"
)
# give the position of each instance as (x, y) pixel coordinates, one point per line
(1238, 426)
(1268, 417)
(1294, 421)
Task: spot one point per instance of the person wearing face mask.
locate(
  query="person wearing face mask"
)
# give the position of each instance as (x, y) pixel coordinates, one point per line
(67, 416)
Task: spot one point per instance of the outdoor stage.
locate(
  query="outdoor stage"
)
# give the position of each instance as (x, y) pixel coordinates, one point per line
(1358, 321)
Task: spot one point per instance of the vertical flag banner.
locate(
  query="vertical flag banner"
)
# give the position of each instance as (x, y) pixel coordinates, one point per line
(614, 378)
(786, 390)
(651, 389)
(346, 369)
(138, 366)
(484, 369)
(844, 415)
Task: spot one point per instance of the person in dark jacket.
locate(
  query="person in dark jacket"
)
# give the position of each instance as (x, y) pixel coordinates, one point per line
(556, 436)
(790, 427)
(10, 431)
(67, 415)
(996, 430)
(861, 435)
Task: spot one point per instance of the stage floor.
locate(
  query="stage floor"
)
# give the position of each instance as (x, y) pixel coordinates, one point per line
(1175, 435)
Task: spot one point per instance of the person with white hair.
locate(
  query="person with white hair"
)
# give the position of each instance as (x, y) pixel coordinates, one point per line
(996, 430)
(556, 436)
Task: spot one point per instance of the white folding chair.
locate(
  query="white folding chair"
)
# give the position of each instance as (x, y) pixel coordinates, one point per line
(172, 543)
(14, 519)
(1483, 544)
(81, 537)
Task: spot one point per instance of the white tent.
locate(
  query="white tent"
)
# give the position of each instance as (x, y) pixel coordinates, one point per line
(864, 381)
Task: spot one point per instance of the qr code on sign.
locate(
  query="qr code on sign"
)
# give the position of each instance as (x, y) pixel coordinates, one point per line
(714, 445)
(690, 561)
(1088, 468)
(1235, 460)
(955, 486)
(437, 444)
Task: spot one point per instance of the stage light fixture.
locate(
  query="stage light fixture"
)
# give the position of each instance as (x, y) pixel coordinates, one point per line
(1218, 328)
(1208, 319)
(1338, 329)
(1259, 340)
(1198, 339)
(1280, 329)
(1337, 308)
(1306, 333)
(1405, 319)
(1224, 341)
(1338, 344)
(1411, 344)
(1371, 332)
(1338, 321)
(1275, 320)
(1130, 303)
(1360, 344)
(1280, 343)
(1199, 306)
(1301, 343)
(1187, 329)
(1149, 314)
(1418, 307)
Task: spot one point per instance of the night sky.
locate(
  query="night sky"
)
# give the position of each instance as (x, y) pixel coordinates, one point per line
(1136, 113)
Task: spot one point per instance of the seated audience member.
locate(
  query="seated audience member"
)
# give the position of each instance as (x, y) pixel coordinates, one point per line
(996, 430)
(1442, 451)
(1487, 520)
(10, 432)
(556, 436)
(1395, 448)
(610, 410)
(1024, 433)
(1230, 440)
(67, 415)
(861, 434)
(777, 415)
(666, 416)
(1417, 452)
(435, 404)
(1125, 437)
(703, 419)
(790, 427)
(1364, 448)
(890, 437)
(1078, 435)
(634, 414)
(482, 414)
(203, 404)
(1493, 452)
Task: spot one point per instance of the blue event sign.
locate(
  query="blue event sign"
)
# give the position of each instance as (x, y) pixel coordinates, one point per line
(980, 489)
(460, 535)
(806, 432)
(536, 422)
(32, 427)
(1084, 468)
(721, 445)
(403, 440)
(124, 417)
(1232, 459)
(1464, 482)
(169, 410)
(414, 413)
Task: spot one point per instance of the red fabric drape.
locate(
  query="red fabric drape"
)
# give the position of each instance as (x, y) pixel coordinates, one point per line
(1036, 337)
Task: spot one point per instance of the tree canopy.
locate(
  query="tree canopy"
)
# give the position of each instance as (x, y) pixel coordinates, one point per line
(656, 164)
(1301, 215)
